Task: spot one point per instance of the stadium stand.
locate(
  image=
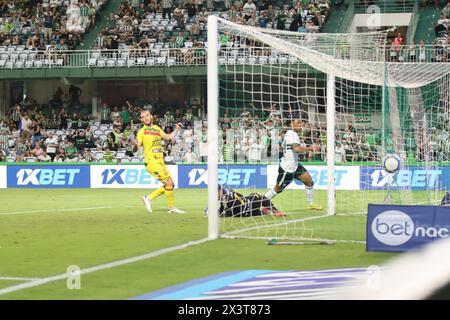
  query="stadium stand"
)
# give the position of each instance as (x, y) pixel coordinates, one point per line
(38, 33)
(154, 33)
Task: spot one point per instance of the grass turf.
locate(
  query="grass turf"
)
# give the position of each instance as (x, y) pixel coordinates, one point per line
(101, 226)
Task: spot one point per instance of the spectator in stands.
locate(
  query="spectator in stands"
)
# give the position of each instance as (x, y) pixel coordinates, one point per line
(248, 9)
(192, 10)
(110, 142)
(398, 40)
(340, 153)
(253, 20)
(51, 144)
(48, 25)
(296, 21)
(446, 10)
(84, 14)
(92, 13)
(324, 8)
(37, 150)
(62, 116)
(44, 157)
(167, 9)
(26, 126)
(36, 133)
(89, 156)
(422, 51)
(317, 20)
(4, 141)
(281, 20)
(442, 25)
(59, 157)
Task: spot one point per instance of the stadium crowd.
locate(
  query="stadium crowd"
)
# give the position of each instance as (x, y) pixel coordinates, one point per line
(64, 132)
(43, 24)
(182, 24)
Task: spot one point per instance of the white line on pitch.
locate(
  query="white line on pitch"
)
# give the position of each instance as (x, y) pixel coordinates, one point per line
(64, 210)
(18, 279)
(39, 282)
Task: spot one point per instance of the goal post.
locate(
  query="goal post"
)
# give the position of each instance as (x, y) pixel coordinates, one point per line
(213, 111)
(330, 155)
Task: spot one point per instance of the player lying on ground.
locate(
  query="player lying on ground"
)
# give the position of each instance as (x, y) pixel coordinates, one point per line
(291, 169)
(149, 136)
(234, 204)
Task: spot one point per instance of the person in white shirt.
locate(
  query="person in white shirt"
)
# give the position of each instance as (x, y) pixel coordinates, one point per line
(188, 156)
(340, 153)
(291, 169)
(248, 9)
(44, 157)
(255, 151)
(51, 145)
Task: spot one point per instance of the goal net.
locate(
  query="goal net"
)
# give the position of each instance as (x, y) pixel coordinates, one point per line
(354, 108)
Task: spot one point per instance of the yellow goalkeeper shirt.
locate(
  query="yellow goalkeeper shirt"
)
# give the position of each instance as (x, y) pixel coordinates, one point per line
(150, 137)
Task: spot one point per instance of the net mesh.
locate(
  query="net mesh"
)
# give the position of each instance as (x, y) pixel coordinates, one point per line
(269, 77)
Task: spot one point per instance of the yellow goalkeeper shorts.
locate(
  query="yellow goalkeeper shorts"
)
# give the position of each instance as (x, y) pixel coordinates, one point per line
(159, 171)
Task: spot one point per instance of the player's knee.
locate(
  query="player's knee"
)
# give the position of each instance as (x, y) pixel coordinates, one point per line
(309, 183)
(169, 186)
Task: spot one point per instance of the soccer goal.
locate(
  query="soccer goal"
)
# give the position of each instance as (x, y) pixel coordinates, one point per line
(355, 108)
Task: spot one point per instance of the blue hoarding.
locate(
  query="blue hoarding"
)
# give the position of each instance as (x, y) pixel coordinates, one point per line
(414, 178)
(235, 176)
(398, 228)
(71, 176)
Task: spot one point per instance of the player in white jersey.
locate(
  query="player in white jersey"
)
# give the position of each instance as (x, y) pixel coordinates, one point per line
(291, 169)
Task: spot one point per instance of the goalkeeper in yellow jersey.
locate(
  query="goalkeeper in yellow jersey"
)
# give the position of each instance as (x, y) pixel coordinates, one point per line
(149, 136)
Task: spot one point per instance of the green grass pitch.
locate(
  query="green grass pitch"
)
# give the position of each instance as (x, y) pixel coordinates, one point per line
(44, 231)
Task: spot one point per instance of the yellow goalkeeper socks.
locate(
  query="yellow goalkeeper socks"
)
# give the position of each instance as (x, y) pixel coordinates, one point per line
(155, 194)
(170, 201)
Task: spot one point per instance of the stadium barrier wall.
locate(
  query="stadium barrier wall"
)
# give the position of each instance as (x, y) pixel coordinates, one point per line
(398, 228)
(196, 176)
(127, 176)
(3, 177)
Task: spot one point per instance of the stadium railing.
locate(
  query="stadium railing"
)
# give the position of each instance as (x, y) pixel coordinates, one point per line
(399, 6)
(157, 57)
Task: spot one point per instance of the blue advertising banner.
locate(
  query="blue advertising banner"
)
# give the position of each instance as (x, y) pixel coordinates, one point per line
(234, 176)
(414, 178)
(398, 228)
(71, 176)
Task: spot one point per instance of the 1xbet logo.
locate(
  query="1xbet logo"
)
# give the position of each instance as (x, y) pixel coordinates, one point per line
(126, 176)
(230, 177)
(42, 177)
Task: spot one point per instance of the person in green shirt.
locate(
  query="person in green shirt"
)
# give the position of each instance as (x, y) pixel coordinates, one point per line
(125, 115)
(281, 20)
(71, 150)
(224, 38)
(371, 137)
(108, 156)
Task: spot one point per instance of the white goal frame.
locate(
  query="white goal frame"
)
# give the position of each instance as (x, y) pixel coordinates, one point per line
(213, 117)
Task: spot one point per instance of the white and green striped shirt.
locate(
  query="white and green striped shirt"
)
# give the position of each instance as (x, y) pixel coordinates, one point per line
(84, 10)
(4, 141)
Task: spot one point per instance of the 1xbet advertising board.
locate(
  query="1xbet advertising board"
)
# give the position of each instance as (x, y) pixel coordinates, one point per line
(234, 176)
(3, 177)
(414, 178)
(397, 228)
(346, 177)
(127, 176)
(48, 176)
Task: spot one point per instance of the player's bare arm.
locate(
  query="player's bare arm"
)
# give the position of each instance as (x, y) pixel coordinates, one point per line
(299, 149)
(169, 136)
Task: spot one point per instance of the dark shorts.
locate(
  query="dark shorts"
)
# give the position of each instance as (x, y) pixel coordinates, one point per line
(285, 178)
